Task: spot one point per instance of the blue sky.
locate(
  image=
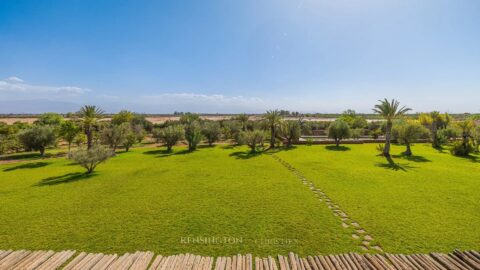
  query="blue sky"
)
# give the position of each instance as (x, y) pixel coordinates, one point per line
(239, 56)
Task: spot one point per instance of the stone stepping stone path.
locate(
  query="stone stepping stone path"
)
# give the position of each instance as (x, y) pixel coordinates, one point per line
(358, 233)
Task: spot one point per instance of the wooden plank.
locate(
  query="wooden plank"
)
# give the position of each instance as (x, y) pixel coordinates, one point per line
(34, 260)
(75, 260)
(249, 262)
(156, 262)
(272, 263)
(27, 260)
(374, 262)
(13, 258)
(346, 257)
(432, 261)
(293, 262)
(384, 262)
(406, 261)
(104, 262)
(471, 257)
(319, 264)
(459, 261)
(359, 264)
(312, 263)
(57, 260)
(443, 262)
(425, 264)
(266, 265)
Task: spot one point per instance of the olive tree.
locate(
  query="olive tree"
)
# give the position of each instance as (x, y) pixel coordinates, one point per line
(253, 138)
(170, 135)
(290, 130)
(37, 138)
(69, 130)
(90, 158)
(115, 135)
(193, 134)
(339, 130)
(212, 131)
(407, 132)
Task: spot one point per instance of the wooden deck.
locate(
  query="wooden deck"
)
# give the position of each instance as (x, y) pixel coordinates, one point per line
(45, 260)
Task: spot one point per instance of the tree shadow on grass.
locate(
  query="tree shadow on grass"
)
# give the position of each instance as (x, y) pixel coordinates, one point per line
(474, 159)
(245, 155)
(63, 179)
(166, 153)
(413, 158)
(27, 166)
(280, 149)
(340, 148)
(391, 165)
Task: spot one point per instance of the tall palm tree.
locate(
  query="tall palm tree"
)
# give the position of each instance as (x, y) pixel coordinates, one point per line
(273, 118)
(389, 111)
(90, 114)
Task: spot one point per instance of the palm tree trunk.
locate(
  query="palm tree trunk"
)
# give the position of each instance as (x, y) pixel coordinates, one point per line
(272, 138)
(434, 135)
(89, 134)
(388, 137)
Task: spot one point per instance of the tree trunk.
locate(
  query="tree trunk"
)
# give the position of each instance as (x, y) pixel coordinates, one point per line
(42, 151)
(69, 146)
(169, 148)
(388, 137)
(408, 152)
(337, 142)
(434, 135)
(272, 138)
(89, 134)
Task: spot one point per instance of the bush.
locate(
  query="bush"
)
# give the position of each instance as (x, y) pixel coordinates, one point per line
(253, 138)
(170, 135)
(193, 134)
(339, 130)
(115, 135)
(37, 138)
(460, 148)
(90, 158)
(212, 131)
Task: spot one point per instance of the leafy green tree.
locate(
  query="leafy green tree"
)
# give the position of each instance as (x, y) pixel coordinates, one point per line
(243, 119)
(435, 122)
(129, 140)
(357, 133)
(290, 130)
(50, 119)
(139, 132)
(122, 117)
(407, 132)
(273, 119)
(69, 130)
(253, 138)
(90, 115)
(353, 120)
(339, 130)
(90, 158)
(476, 138)
(193, 134)
(37, 138)
(389, 111)
(189, 118)
(115, 135)
(171, 135)
(211, 131)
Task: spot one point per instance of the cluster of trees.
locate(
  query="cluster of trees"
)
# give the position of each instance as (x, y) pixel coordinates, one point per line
(97, 138)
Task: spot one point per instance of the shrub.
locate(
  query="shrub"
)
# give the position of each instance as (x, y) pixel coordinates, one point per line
(290, 130)
(309, 141)
(69, 130)
(357, 133)
(253, 138)
(339, 130)
(37, 138)
(90, 158)
(170, 135)
(193, 134)
(212, 131)
(460, 148)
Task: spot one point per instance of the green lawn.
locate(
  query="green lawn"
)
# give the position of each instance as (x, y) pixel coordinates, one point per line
(148, 200)
(430, 202)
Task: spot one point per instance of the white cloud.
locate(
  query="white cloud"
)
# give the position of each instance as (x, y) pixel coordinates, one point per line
(16, 88)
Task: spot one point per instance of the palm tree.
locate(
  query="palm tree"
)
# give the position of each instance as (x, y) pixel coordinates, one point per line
(90, 115)
(389, 111)
(273, 118)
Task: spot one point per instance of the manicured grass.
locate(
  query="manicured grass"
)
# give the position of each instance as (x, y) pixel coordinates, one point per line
(430, 202)
(147, 199)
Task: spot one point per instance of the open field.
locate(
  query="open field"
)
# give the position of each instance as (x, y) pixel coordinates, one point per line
(429, 202)
(147, 199)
